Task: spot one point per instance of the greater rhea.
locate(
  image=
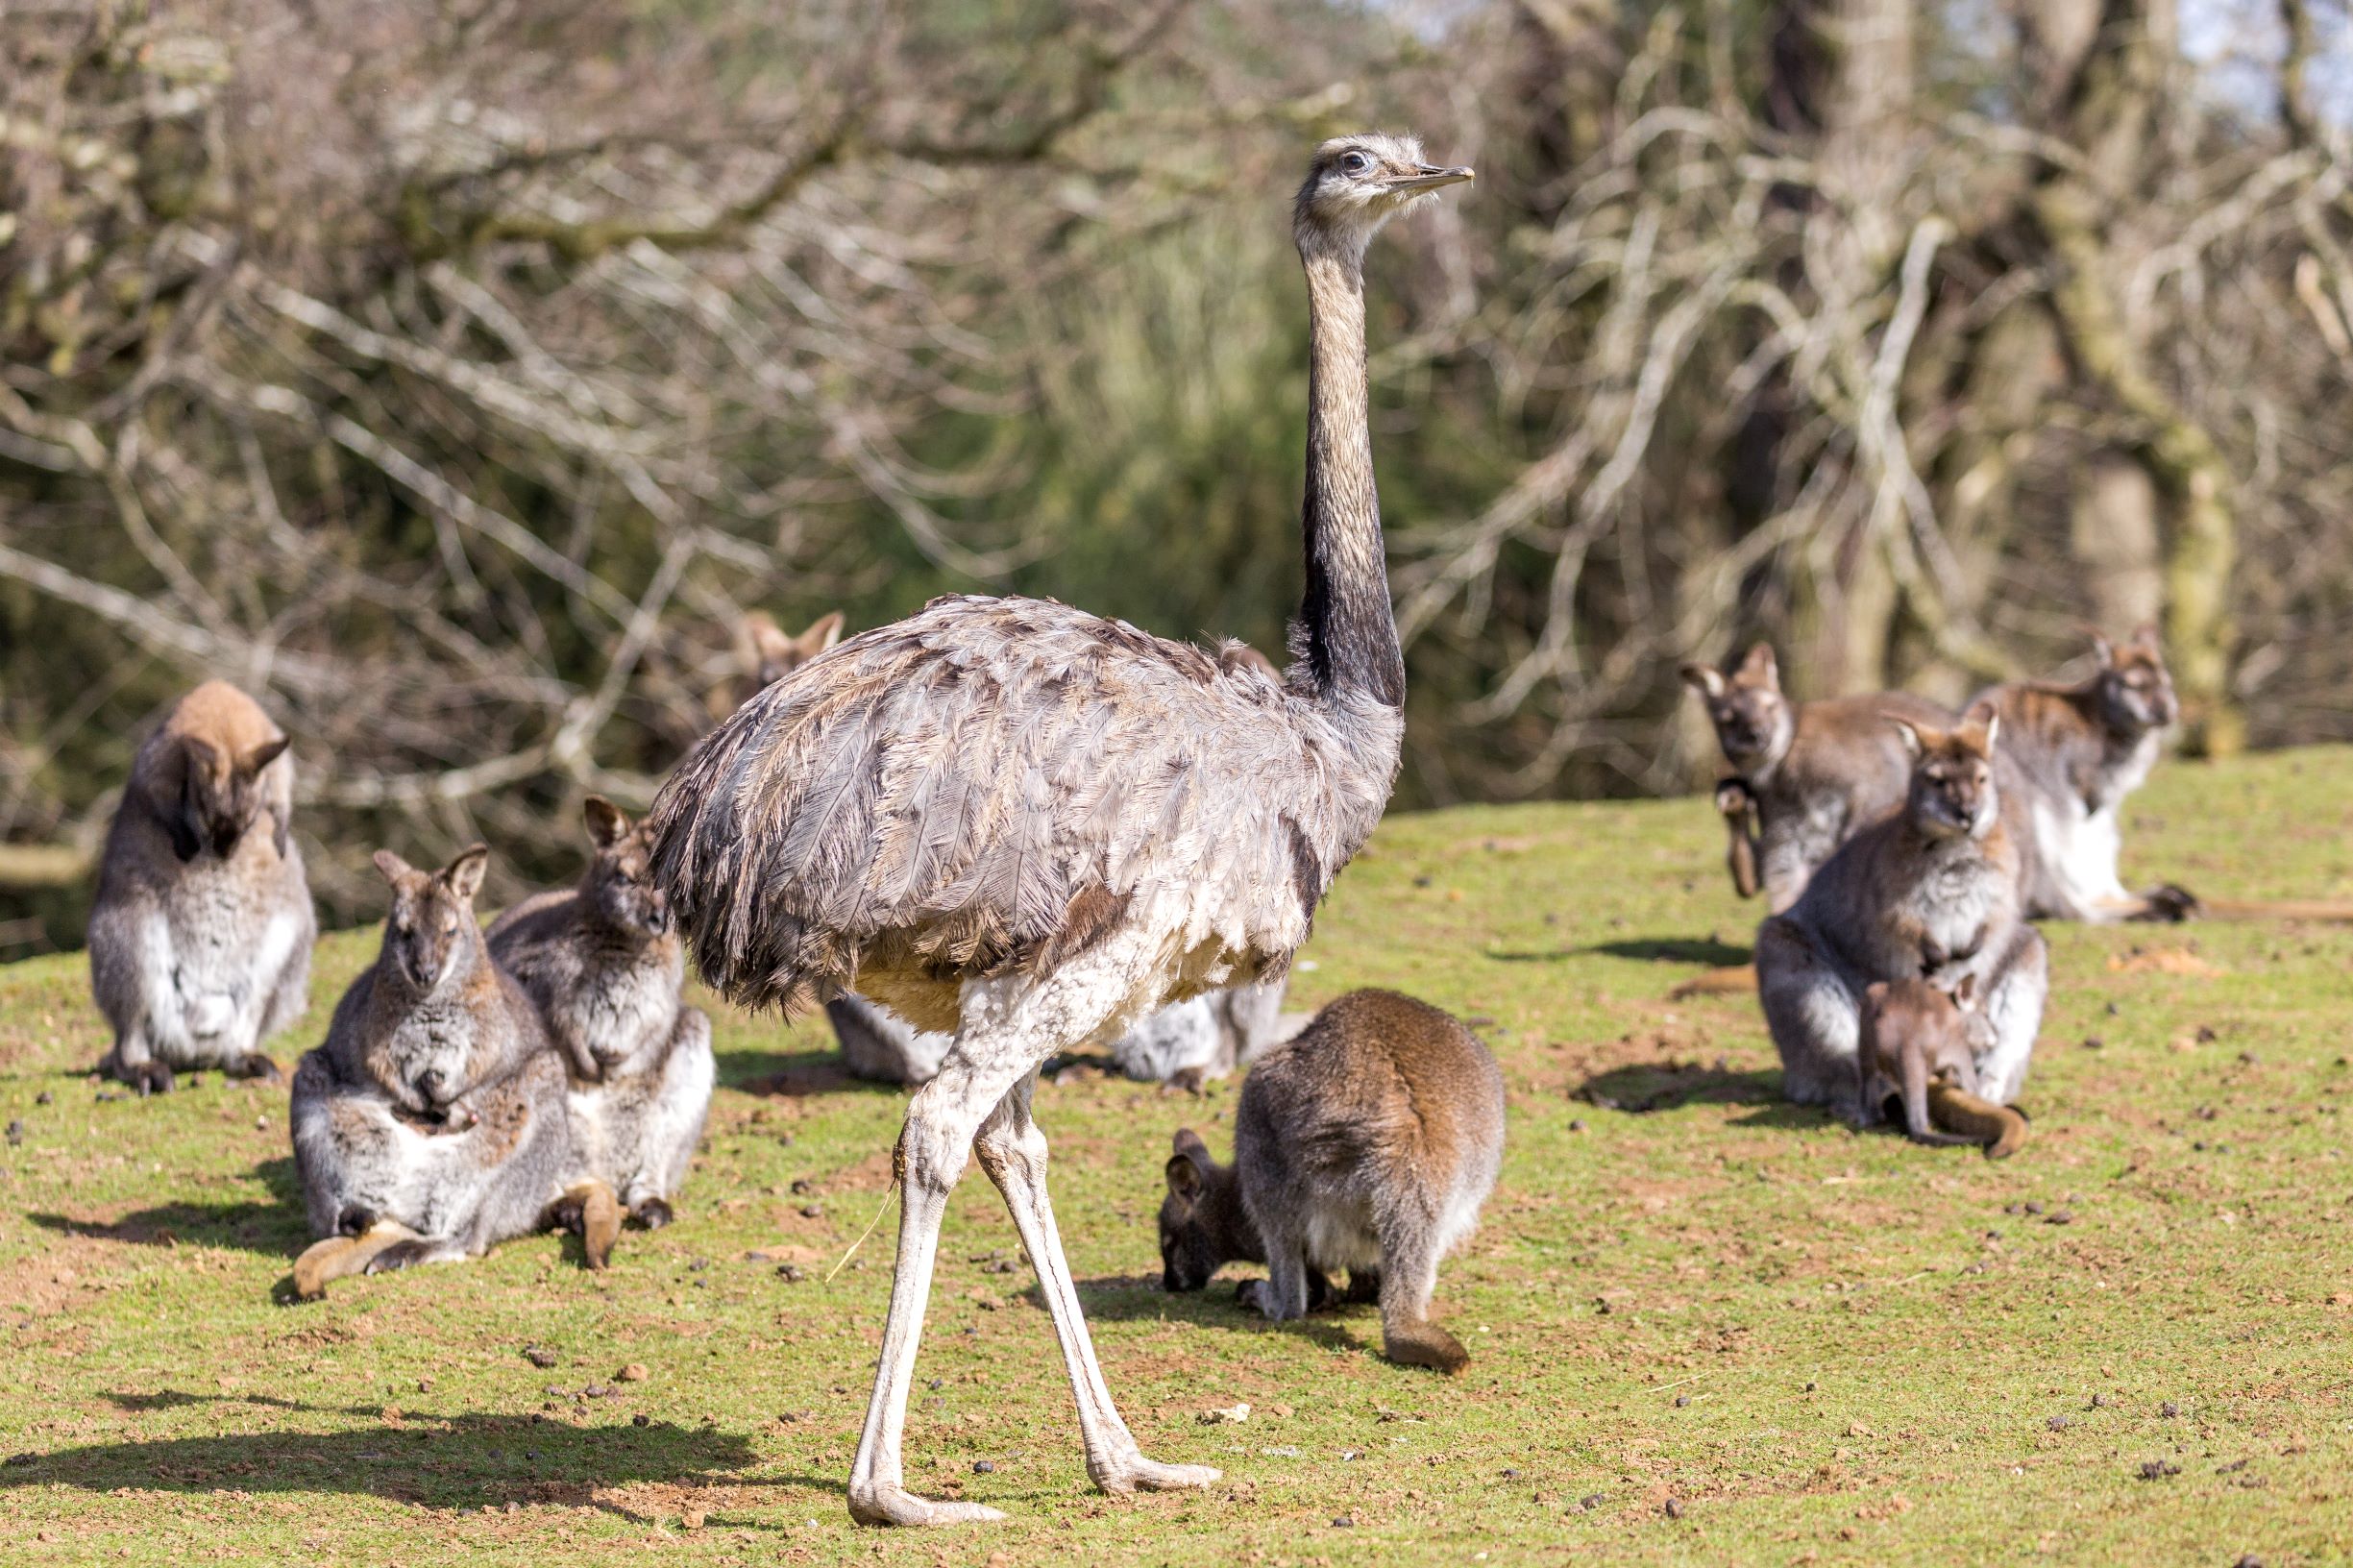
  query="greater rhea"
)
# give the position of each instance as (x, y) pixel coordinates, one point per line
(1029, 825)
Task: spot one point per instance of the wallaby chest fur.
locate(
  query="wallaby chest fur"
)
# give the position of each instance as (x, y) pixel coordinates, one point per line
(1368, 1142)
(1928, 892)
(603, 966)
(435, 1102)
(201, 933)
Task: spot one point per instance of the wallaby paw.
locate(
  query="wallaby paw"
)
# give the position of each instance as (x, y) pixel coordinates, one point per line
(1133, 1473)
(256, 1066)
(401, 1255)
(652, 1215)
(1428, 1345)
(1257, 1296)
(2171, 903)
(872, 1505)
(1734, 798)
(147, 1078)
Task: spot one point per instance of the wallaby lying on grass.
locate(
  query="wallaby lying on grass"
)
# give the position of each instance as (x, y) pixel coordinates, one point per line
(1806, 775)
(1183, 1045)
(604, 968)
(1919, 1059)
(200, 939)
(430, 1124)
(2070, 756)
(1931, 892)
(1368, 1142)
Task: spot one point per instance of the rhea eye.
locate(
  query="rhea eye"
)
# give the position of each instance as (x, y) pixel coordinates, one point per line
(1356, 163)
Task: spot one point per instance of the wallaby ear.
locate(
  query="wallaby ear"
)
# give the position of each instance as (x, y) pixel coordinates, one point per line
(1981, 725)
(1183, 1177)
(1760, 668)
(1704, 679)
(183, 819)
(395, 870)
(2103, 649)
(606, 825)
(761, 643)
(2145, 636)
(1189, 1143)
(822, 634)
(1965, 992)
(260, 756)
(1909, 734)
(464, 874)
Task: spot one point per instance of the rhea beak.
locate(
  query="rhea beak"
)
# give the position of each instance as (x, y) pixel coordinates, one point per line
(1430, 177)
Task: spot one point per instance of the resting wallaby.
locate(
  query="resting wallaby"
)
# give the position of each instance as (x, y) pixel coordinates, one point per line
(200, 939)
(1183, 1045)
(430, 1124)
(1368, 1142)
(2070, 756)
(1919, 1061)
(1807, 775)
(1931, 892)
(604, 968)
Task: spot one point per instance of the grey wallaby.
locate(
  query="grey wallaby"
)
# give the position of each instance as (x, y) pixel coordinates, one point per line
(200, 939)
(603, 963)
(1932, 893)
(1368, 1142)
(430, 1124)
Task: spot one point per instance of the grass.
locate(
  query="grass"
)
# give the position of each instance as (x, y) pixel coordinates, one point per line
(1819, 1347)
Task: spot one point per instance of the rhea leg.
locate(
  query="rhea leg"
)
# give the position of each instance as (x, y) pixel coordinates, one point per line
(1011, 1150)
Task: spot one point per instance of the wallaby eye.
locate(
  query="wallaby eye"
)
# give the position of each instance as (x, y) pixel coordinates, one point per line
(1356, 163)
(448, 922)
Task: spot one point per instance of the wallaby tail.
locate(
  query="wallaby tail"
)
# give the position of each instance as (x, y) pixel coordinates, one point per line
(1728, 982)
(2276, 909)
(2001, 1130)
(591, 1208)
(340, 1257)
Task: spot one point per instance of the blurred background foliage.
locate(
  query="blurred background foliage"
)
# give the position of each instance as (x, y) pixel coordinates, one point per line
(455, 376)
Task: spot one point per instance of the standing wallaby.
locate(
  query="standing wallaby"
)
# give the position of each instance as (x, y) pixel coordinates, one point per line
(604, 968)
(1368, 1142)
(200, 938)
(1931, 892)
(2072, 756)
(1806, 775)
(1919, 1059)
(430, 1124)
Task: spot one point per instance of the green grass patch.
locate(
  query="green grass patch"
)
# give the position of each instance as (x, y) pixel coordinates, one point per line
(1818, 1347)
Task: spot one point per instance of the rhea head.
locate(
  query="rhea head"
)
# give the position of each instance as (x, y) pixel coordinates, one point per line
(1357, 183)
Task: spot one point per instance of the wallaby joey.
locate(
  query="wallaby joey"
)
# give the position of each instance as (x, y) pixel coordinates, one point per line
(1930, 892)
(1807, 774)
(1920, 1051)
(430, 1124)
(604, 968)
(2070, 755)
(1368, 1142)
(200, 938)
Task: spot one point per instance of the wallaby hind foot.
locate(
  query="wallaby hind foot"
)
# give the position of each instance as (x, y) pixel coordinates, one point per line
(254, 1064)
(652, 1215)
(341, 1257)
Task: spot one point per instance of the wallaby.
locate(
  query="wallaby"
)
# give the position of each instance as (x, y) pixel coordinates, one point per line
(2073, 754)
(1919, 1061)
(200, 939)
(766, 653)
(1806, 775)
(1931, 892)
(604, 968)
(430, 1124)
(1368, 1142)
(1183, 1045)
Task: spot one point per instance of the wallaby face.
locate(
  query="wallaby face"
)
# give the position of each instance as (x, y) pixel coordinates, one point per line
(219, 796)
(1753, 719)
(1953, 776)
(2135, 689)
(767, 654)
(620, 884)
(1196, 1218)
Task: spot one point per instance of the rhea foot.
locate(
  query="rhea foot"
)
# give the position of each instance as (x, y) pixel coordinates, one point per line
(1132, 1472)
(872, 1503)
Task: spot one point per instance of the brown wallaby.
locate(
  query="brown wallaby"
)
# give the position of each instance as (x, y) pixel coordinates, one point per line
(2070, 756)
(1931, 892)
(1919, 1061)
(603, 966)
(1368, 1142)
(200, 939)
(430, 1126)
(1806, 775)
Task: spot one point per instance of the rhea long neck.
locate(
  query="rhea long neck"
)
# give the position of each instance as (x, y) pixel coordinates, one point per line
(1352, 646)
